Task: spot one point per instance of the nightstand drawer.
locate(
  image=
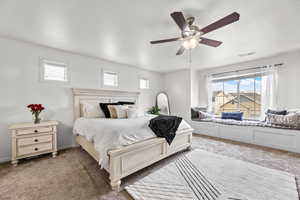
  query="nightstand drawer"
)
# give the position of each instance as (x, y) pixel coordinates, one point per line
(34, 148)
(34, 140)
(34, 130)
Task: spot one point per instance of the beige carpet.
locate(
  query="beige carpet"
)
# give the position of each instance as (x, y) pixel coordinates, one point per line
(75, 175)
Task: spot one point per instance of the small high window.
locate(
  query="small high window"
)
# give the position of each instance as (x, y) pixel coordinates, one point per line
(53, 70)
(144, 83)
(110, 79)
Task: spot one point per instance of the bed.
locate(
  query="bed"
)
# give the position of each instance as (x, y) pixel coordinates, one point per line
(122, 160)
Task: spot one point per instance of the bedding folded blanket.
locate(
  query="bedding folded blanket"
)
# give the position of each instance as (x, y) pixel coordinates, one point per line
(165, 126)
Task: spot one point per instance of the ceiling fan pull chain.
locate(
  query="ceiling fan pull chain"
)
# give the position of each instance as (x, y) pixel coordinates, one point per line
(187, 59)
(190, 58)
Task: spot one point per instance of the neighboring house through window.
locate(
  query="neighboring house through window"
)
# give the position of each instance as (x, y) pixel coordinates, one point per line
(242, 94)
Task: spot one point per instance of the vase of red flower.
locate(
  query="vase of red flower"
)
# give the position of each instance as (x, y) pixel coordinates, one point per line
(36, 109)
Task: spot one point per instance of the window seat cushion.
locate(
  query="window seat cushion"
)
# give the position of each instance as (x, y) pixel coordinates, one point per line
(244, 123)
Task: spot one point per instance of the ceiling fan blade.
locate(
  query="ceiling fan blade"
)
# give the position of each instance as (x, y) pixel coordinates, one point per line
(210, 42)
(166, 40)
(180, 51)
(180, 20)
(222, 22)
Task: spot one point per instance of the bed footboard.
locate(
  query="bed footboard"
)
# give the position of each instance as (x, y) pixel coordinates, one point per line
(129, 159)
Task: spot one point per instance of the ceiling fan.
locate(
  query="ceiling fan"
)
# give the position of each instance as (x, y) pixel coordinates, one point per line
(191, 35)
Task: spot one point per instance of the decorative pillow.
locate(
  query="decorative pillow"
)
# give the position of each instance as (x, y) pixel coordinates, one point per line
(232, 115)
(201, 108)
(112, 111)
(121, 111)
(204, 115)
(289, 120)
(277, 112)
(194, 113)
(132, 112)
(125, 103)
(91, 110)
(295, 111)
(105, 110)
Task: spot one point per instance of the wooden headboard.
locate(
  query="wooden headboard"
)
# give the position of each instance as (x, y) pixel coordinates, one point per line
(103, 96)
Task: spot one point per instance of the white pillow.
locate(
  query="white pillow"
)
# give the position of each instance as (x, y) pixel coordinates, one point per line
(132, 112)
(91, 110)
(204, 115)
(121, 111)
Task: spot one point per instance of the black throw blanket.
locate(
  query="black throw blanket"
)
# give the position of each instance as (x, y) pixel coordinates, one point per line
(165, 126)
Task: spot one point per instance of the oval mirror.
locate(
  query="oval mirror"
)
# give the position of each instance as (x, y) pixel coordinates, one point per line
(162, 103)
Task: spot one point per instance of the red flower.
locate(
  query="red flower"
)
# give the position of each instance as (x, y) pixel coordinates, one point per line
(35, 108)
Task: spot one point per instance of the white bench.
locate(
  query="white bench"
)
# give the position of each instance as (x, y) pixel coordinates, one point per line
(283, 139)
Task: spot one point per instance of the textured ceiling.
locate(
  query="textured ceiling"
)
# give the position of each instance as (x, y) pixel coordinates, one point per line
(120, 31)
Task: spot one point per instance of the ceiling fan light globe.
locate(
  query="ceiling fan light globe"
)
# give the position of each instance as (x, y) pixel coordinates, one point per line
(185, 34)
(190, 43)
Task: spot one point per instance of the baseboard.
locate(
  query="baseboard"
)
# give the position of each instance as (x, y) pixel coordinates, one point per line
(5, 159)
(8, 158)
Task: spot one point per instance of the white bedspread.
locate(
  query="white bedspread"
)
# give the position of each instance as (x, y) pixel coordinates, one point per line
(107, 134)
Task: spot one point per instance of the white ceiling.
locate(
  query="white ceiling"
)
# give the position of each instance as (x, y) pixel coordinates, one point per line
(120, 31)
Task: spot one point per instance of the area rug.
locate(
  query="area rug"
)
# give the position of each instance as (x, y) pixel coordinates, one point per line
(201, 175)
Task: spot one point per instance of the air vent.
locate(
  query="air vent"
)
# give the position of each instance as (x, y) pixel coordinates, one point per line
(247, 54)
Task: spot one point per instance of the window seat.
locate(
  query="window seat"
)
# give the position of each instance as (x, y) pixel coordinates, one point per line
(244, 123)
(253, 132)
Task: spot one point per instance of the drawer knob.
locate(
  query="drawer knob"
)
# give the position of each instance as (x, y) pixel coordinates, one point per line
(35, 131)
(36, 149)
(36, 140)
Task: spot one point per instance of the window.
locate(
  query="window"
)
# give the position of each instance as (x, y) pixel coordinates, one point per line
(110, 79)
(144, 83)
(239, 94)
(53, 71)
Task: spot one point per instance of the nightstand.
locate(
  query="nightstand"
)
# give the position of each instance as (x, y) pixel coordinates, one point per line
(29, 139)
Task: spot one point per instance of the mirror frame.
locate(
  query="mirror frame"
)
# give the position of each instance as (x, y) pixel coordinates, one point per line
(167, 100)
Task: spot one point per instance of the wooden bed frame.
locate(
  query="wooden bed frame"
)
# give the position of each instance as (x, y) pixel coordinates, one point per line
(128, 159)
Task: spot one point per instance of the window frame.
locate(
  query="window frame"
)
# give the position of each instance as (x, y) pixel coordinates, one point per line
(103, 71)
(146, 79)
(43, 61)
(238, 92)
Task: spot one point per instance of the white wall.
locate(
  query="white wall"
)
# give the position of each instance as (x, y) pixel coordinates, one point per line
(288, 78)
(178, 87)
(195, 88)
(20, 86)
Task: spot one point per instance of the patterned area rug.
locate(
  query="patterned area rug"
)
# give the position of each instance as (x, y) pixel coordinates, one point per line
(201, 175)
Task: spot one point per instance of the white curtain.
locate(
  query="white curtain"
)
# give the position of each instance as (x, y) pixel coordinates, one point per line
(209, 92)
(269, 92)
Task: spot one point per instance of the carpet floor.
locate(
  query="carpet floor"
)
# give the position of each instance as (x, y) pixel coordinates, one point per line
(73, 174)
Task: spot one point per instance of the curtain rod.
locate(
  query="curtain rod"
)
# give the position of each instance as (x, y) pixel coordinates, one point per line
(240, 70)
